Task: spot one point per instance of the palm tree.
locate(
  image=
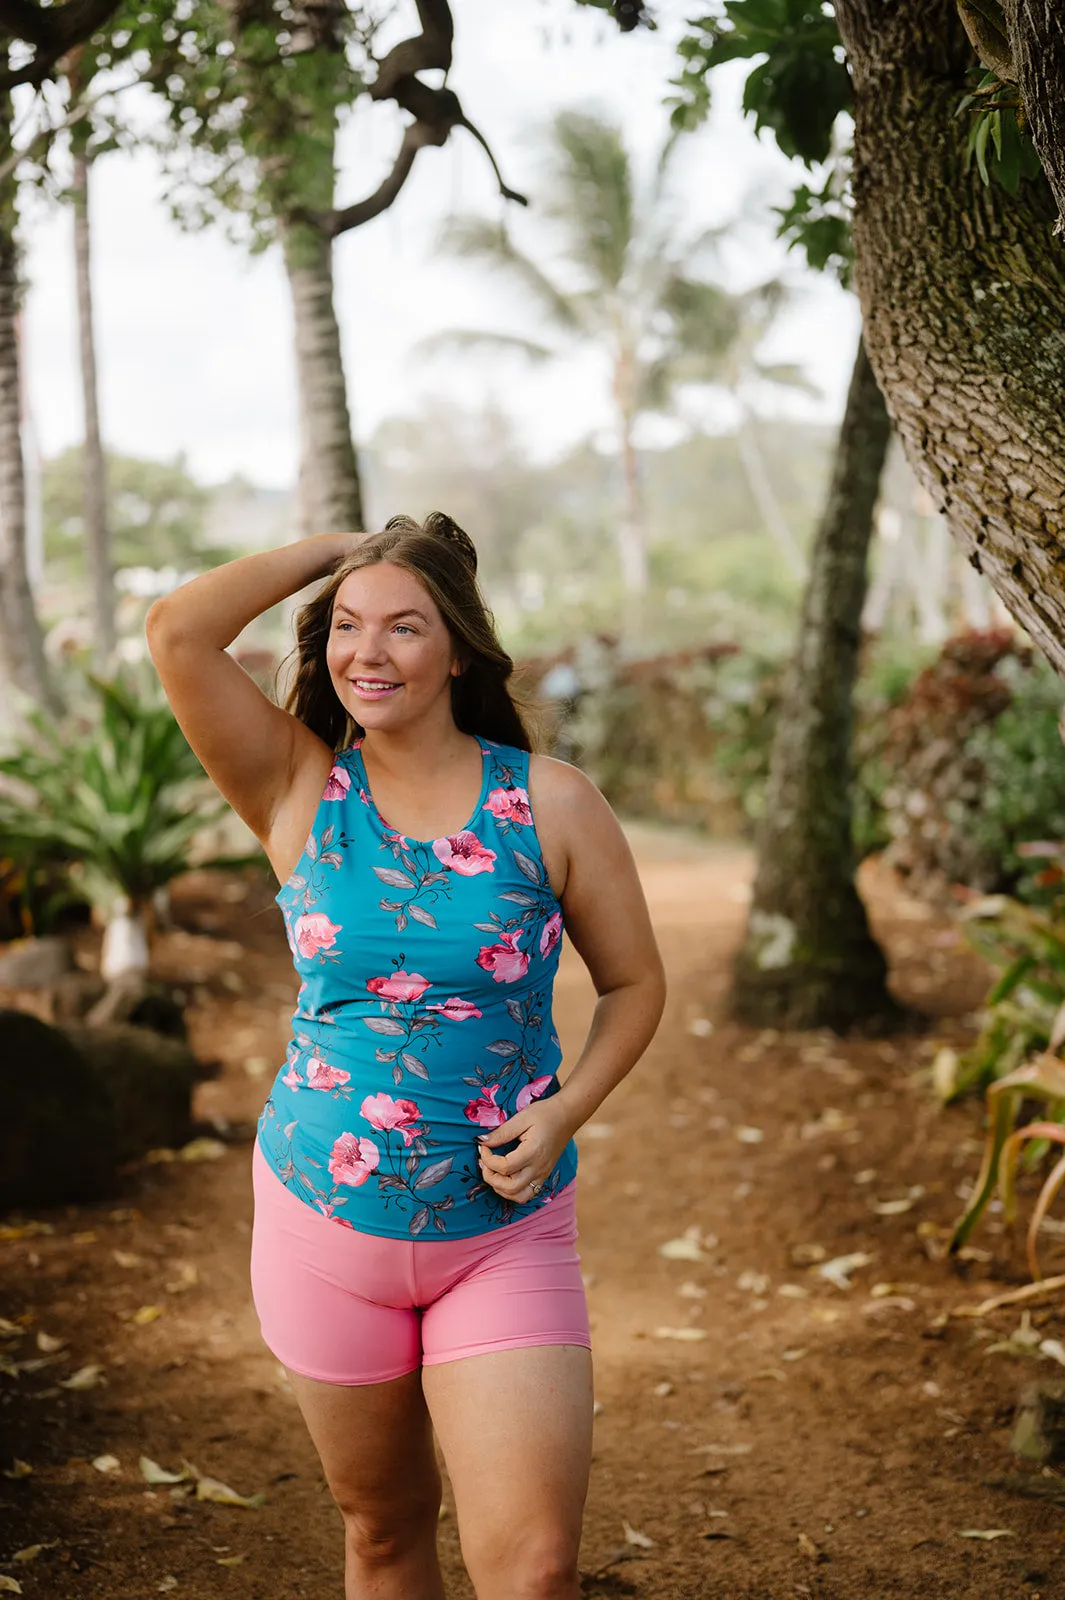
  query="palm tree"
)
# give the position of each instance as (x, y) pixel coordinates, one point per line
(632, 289)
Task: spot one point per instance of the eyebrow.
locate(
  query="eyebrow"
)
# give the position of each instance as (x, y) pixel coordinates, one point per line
(393, 616)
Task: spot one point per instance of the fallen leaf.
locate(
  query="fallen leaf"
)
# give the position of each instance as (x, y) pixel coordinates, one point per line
(186, 1278)
(202, 1150)
(145, 1314)
(10, 1330)
(755, 1282)
(32, 1551)
(826, 1313)
(18, 1469)
(86, 1236)
(805, 1255)
(682, 1249)
(107, 1463)
(152, 1472)
(634, 1536)
(691, 1291)
(688, 1335)
(221, 1494)
(126, 1258)
(838, 1270)
(747, 1135)
(9, 1585)
(807, 1547)
(891, 1208)
(89, 1377)
(793, 1291)
(23, 1230)
(721, 1449)
(661, 1390)
(985, 1533)
(49, 1344)
(230, 1561)
(166, 1584)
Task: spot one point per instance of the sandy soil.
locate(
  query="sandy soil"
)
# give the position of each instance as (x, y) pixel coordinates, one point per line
(799, 1439)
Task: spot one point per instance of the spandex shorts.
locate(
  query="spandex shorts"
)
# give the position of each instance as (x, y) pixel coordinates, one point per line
(350, 1308)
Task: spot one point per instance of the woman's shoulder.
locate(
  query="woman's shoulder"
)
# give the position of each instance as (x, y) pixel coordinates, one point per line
(558, 784)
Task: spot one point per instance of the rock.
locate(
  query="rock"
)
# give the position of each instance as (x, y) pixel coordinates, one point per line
(35, 963)
(149, 1079)
(58, 1135)
(133, 999)
(1039, 1423)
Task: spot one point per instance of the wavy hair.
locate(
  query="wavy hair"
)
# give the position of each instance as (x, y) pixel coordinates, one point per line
(442, 557)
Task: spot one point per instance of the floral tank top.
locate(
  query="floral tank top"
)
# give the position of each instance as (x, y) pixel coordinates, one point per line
(424, 1013)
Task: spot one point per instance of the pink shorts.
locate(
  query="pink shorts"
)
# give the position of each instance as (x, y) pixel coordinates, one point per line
(347, 1307)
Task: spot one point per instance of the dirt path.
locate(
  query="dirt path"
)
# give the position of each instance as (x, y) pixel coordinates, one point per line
(799, 1439)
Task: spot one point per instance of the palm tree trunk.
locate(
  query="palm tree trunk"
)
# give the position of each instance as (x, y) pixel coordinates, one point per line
(809, 959)
(330, 491)
(21, 646)
(769, 509)
(632, 535)
(97, 533)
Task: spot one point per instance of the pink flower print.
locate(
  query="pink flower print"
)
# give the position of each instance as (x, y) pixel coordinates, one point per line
(314, 933)
(509, 805)
(320, 1075)
(456, 1010)
(464, 853)
(552, 933)
(337, 784)
(292, 1079)
(504, 960)
(353, 1159)
(532, 1091)
(382, 1112)
(395, 838)
(484, 1110)
(400, 986)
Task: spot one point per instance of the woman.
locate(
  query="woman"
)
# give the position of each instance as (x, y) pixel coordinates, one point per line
(413, 1261)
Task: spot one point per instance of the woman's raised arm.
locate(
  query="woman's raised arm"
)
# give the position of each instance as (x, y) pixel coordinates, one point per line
(254, 751)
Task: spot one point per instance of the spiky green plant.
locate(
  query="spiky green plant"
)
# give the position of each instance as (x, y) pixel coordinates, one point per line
(114, 795)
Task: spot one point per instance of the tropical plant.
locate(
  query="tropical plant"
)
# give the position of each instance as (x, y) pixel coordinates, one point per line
(629, 285)
(1044, 1080)
(115, 798)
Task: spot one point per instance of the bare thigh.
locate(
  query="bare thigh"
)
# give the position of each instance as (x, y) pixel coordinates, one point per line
(515, 1428)
(375, 1441)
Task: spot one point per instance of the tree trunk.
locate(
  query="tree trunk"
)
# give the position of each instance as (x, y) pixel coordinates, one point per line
(809, 959)
(21, 646)
(762, 492)
(962, 287)
(1036, 32)
(330, 492)
(97, 535)
(632, 537)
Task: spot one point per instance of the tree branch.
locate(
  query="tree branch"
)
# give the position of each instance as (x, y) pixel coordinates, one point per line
(435, 113)
(51, 30)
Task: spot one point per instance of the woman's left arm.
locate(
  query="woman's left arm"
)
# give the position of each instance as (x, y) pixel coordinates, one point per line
(606, 918)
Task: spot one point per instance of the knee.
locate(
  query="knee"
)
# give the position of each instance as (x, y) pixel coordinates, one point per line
(537, 1565)
(380, 1536)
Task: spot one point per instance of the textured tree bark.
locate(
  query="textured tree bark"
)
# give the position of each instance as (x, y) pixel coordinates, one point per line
(1036, 32)
(97, 534)
(330, 492)
(809, 959)
(962, 288)
(22, 657)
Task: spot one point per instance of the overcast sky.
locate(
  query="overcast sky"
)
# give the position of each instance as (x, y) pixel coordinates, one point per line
(194, 336)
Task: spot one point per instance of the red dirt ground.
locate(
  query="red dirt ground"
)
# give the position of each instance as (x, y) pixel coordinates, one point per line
(813, 1441)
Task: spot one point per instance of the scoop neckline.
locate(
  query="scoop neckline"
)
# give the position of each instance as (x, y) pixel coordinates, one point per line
(467, 827)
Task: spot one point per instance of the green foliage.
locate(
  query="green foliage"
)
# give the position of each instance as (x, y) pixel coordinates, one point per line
(797, 91)
(818, 222)
(155, 509)
(114, 795)
(999, 140)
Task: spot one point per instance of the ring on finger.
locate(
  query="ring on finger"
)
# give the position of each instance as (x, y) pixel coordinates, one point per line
(536, 1187)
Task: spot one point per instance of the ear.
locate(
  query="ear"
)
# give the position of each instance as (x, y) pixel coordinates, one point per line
(458, 667)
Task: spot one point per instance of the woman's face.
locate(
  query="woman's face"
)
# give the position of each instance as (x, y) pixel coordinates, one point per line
(390, 655)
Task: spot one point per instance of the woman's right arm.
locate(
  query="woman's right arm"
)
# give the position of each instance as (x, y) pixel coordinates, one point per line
(250, 747)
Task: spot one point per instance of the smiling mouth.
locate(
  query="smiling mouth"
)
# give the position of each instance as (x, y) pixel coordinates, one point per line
(374, 685)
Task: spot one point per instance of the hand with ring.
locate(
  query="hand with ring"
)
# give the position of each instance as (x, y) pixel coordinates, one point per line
(542, 1130)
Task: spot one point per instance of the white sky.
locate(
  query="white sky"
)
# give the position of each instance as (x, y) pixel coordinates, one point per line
(194, 336)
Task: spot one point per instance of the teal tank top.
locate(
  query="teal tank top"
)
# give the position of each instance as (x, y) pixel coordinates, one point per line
(424, 1013)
